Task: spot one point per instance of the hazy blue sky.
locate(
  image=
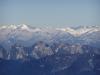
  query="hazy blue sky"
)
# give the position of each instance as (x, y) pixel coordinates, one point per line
(50, 12)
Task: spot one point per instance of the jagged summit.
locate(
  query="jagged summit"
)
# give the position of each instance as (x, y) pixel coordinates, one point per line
(23, 26)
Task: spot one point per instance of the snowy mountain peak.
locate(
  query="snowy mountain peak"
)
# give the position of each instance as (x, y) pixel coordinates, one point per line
(80, 31)
(8, 27)
(23, 27)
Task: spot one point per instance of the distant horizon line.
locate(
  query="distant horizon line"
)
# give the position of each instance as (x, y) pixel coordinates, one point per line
(56, 25)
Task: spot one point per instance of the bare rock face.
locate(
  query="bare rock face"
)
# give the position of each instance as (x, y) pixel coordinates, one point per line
(41, 50)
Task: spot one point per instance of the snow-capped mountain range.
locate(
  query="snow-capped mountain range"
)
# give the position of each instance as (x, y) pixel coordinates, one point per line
(24, 33)
(73, 31)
